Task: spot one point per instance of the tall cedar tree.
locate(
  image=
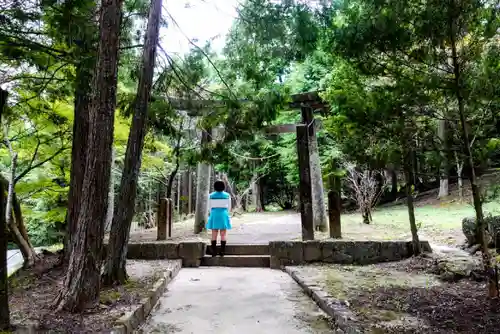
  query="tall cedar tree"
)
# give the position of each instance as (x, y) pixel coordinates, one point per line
(115, 271)
(4, 284)
(82, 282)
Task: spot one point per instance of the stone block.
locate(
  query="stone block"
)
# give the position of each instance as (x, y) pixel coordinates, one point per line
(394, 251)
(284, 253)
(134, 251)
(168, 250)
(338, 251)
(312, 251)
(149, 251)
(366, 252)
(191, 253)
(426, 247)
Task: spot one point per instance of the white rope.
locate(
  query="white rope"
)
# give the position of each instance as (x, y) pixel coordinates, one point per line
(254, 158)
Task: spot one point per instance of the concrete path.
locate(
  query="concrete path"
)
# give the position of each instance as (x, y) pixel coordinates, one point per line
(283, 227)
(235, 301)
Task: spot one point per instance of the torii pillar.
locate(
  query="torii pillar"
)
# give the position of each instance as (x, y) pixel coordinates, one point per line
(202, 187)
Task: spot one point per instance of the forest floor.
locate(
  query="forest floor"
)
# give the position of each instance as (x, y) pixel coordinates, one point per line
(32, 292)
(407, 297)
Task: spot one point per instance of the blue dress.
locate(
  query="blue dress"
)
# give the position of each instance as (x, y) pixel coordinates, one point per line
(219, 217)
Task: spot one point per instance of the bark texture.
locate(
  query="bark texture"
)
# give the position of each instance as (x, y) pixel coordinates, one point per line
(256, 193)
(445, 165)
(318, 195)
(81, 285)
(13, 215)
(4, 284)
(78, 151)
(115, 269)
(408, 169)
(111, 196)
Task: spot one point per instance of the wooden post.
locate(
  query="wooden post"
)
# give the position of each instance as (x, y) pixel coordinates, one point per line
(334, 207)
(161, 219)
(170, 212)
(317, 190)
(306, 213)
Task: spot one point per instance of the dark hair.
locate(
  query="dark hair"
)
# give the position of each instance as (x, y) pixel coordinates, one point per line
(219, 185)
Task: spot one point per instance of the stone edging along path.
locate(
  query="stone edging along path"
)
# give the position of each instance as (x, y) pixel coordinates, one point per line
(134, 318)
(345, 320)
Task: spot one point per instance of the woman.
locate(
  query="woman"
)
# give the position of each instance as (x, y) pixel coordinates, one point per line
(218, 220)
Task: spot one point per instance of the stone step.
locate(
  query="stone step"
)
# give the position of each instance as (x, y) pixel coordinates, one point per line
(237, 261)
(242, 249)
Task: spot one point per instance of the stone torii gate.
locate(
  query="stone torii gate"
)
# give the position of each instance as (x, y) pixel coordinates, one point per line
(312, 202)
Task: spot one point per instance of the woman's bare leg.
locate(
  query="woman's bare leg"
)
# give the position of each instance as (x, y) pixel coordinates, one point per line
(223, 235)
(215, 233)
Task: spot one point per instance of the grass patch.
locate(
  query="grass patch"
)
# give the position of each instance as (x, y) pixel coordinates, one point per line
(440, 223)
(363, 288)
(343, 282)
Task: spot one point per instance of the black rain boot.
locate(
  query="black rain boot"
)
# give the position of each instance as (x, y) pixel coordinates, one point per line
(222, 248)
(213, 249)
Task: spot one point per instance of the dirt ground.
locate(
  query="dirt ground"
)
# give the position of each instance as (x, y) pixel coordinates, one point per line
(406, 297)
(33, 291)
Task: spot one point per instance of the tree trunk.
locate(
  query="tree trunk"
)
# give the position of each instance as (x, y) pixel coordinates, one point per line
(476, 195)
(394, 181)
(193, 192)
(115, 270)
(179, 193)
(367, 215)
(409, 178)
(18, 216)
(111, 196)
(4, 283)
(257, 194)
(81, 284)
(29, 254)
(444, 170)
(262, 194)
(202, 187)
(170, 182)
(460, 180)
(20, 234)
(318, 195)
(230, 191)
(78, 151)
(185, 192)
(244, 202)
(190, 191)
